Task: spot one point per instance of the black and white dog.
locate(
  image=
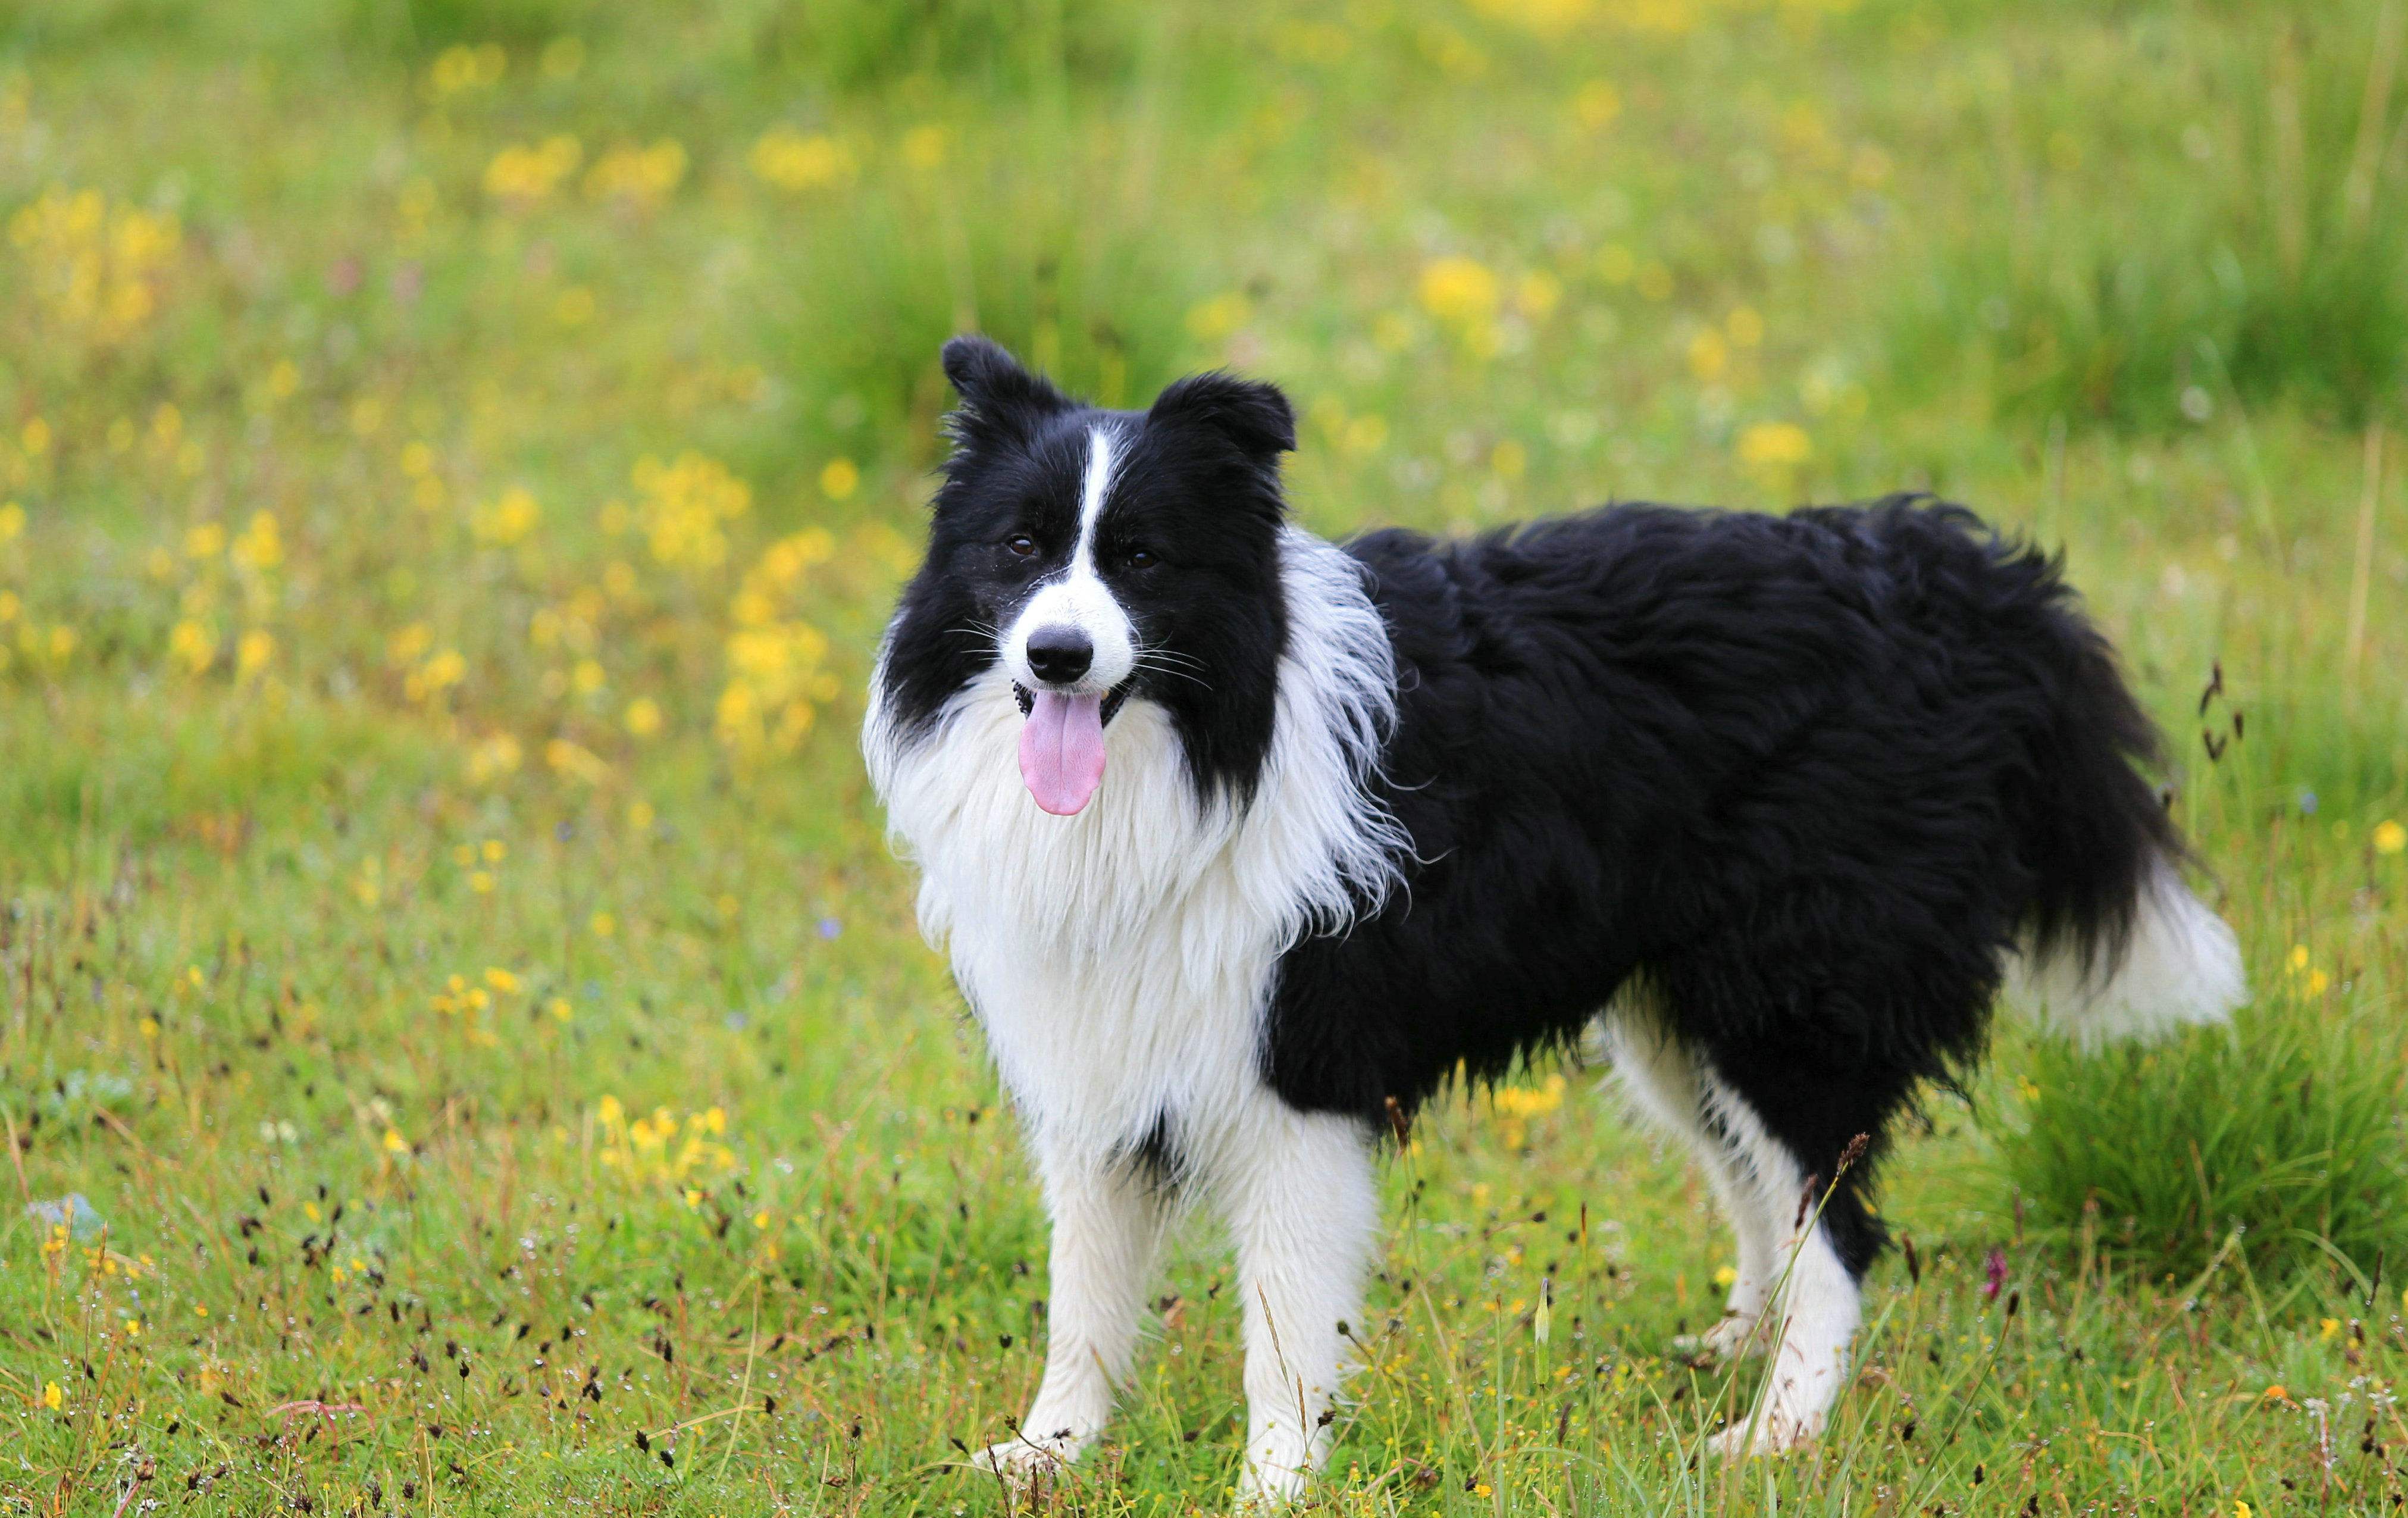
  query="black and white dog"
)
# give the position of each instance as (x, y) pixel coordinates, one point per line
(1242, 844)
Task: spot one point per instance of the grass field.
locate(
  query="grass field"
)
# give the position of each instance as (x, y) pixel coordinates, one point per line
(464, 1047)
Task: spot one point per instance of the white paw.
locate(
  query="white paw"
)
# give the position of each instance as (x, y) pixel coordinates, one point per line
(1026, 1460)
(1271, 1483)
(1273, 1492)
(1733, 1337)
(1773, 1431)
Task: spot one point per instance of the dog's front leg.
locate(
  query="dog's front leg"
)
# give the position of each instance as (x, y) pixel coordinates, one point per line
(1108, 1224)
(1301, 1197)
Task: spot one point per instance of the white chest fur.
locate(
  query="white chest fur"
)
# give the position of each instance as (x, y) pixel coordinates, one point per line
(1119, 959)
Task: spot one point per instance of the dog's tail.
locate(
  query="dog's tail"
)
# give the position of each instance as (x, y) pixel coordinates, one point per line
(2115, 945)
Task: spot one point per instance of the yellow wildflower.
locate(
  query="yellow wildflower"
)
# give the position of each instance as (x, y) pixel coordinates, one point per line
(682, 505)
(1213, 320)
(261, 545)
(925, 147)
(206, 540)
(1709, 356)
(789, 160)
(576, 761)
(526, 173)
(492, 758)
(1775, 446)
(193, 645)
(252, 651)
(1459, 289)
(1529, 1102)
(404, 646)
(462, 67)
(435, 676)
(1538, 294)
(509, 520)
(1596, 105)
(96, 271)
(641, 178)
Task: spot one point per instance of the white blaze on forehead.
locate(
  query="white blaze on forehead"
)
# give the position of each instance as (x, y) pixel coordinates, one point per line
(1079, 598)
(1097, 485)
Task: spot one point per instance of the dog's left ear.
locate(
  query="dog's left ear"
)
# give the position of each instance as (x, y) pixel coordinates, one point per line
(1255, 416)
(1000, 400)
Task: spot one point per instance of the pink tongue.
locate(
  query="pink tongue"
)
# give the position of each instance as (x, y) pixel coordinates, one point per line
(1062, 750)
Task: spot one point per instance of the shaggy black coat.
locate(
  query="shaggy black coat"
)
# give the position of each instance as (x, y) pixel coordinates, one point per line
(1798, 781)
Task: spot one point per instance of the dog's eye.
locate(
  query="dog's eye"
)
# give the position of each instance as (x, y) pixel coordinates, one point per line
(1020, 544)
(1138, 558)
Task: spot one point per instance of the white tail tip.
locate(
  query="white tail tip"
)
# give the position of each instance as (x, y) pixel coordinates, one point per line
(2181, 967)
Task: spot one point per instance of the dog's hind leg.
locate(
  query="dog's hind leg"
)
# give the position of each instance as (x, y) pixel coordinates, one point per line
(1813, 1297)
(1302, 1200)
(1109, 1218)
(1668, 1085)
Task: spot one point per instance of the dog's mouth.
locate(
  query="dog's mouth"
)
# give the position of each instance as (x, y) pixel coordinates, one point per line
(1061, 744)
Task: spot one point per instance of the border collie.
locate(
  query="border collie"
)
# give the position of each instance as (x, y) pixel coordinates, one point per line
(1244, 844)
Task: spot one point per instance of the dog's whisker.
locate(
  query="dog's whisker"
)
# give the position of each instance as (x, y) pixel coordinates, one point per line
(1170, 654)
(1144, 662)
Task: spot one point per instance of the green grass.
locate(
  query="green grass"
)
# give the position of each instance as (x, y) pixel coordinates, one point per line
(363, 1238)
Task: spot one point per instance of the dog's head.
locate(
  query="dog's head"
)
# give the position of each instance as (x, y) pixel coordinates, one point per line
(1101, 557)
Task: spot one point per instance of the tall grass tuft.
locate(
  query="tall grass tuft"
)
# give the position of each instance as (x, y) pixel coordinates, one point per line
(1090, 293)
(2281, 1126)
(2255, 258)
(1010, 46)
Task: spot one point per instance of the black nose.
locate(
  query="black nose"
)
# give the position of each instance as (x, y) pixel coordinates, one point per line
(1059, 655)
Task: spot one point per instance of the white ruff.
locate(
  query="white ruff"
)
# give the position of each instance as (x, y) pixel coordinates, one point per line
(1119, 959)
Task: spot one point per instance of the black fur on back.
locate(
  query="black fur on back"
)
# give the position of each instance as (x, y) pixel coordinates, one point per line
(1799, 782)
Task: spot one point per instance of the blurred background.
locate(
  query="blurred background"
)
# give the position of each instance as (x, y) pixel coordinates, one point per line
(463, 1040)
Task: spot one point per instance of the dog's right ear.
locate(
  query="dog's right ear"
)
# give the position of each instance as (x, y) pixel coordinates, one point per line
(1001, 401)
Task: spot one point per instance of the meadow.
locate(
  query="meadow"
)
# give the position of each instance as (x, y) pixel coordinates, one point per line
(463, 1044)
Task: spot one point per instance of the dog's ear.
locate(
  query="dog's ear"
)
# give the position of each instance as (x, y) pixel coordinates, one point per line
(1000, 400)
(1255, 416)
